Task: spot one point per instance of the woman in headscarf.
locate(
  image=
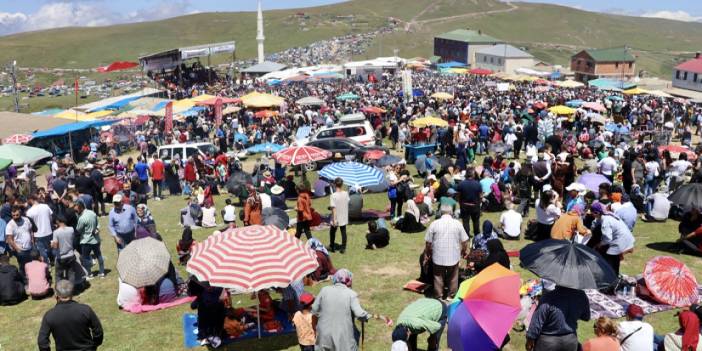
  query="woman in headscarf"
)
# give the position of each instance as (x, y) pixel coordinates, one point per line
(185, 245)
(325, 267)
(409, 223)
(496, 254)
(687, 337)
(172, 178)
(335, 308)
(144, 219)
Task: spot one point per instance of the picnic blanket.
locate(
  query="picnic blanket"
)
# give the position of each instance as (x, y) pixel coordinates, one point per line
(614, 306)
(190, 330)
(139, 308)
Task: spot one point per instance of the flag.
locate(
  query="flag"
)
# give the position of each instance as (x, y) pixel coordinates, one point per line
(218, 112)
(169, 117)
(76, 87)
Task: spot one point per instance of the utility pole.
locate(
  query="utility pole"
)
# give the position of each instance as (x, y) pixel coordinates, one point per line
(15, 91)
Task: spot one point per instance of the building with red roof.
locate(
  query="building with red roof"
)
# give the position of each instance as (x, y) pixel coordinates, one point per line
(688, 75)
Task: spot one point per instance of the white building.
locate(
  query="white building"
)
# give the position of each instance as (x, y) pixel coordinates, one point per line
(688, 75)
(502, 58)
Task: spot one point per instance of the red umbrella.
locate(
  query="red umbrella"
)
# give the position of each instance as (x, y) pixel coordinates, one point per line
(17, 139)
(298, 155)
(266, 113)
(480, 71)
(374, 154)
(670, 281)
(117, 66)
(678, 149)
(541, 82)
(325, 109)
(372, 110)
(252, 258)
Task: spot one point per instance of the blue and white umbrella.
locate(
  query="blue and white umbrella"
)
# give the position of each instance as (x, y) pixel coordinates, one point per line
(267, 147)
(241, 137)
(354, 174)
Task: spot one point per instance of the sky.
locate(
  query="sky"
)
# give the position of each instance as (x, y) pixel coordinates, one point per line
(27, 15)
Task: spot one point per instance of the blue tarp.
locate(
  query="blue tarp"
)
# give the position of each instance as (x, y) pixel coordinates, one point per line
(452, 64)
(160, 106)
(72, 127)
(605, 83)
(116, 105)
(48, 112)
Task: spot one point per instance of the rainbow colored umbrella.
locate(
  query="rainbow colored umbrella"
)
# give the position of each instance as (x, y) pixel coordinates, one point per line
(485, 309)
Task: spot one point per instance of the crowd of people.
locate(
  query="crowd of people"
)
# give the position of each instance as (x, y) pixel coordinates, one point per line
(485, 171)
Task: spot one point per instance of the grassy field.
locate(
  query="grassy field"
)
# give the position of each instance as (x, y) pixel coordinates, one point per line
(378, 278)
(552, 33)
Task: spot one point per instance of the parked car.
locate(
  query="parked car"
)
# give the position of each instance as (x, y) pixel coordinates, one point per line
(185, 150)
(353, 126)
(343, 149)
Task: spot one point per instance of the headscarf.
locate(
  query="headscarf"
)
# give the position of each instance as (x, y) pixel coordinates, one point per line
(147, 212)
(343, 276)
(497, 253)
(315, 244)
(413, 209)
(186, 238)
(690, 325)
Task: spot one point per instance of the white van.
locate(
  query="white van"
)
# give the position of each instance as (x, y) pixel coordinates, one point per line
(185, 150)
(353, 126)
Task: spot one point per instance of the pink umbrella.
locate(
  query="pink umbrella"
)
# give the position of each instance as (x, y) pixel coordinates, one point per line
(17, 139)
(670, 281)
(595, 106)
(298, 155)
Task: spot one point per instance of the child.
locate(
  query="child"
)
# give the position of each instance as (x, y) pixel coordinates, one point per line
(38, 277)
(303, 323)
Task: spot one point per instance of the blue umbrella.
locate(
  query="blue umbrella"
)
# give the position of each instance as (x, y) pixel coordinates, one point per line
(267, 147)
(575, 103)
(615, 97)
(353, 174)
(241, 137)
(388, 160)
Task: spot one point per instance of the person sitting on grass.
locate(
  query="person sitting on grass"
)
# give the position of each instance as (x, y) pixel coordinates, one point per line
(606, 336)
(209, 215)
(657, 206)
(38, 277)
(185, 246)
(687, 337)
(12, 283)
(325, 268)
(376, 237)
(409, 223)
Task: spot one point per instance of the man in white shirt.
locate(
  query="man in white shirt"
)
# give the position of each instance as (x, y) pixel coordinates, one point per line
(19, 236)
(677, 171)
(510, 223)
(608, 166)
(266, 201)
(657, 206)
(40, 213)
(634, 333)
(339, 204)
(446, 242)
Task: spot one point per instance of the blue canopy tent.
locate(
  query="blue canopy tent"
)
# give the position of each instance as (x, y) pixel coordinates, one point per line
(71, 128)
(48, 112)
(160, 106)
(116, 105)
(452, 64)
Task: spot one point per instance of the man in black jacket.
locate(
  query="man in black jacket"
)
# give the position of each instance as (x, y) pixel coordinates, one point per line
(11, 283)
(74, 326)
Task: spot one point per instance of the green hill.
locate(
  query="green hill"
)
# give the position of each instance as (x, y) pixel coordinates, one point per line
(550, 32)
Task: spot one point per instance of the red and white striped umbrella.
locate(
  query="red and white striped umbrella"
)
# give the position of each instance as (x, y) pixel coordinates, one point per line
(299, 155)
(17, 139)
(252, 258)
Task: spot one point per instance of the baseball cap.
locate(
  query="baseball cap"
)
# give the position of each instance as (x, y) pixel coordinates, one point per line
(116, 198)
(306, 299)
(635, 311)
(597, 208)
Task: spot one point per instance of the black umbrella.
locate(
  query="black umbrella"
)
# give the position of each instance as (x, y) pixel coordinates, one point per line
(236, 185)
(388, 160)
(276, 217)
(567, 264)
(687, 196)
(596, 143)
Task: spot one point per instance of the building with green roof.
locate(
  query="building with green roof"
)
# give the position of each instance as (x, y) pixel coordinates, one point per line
(615, 62)
(460, 45)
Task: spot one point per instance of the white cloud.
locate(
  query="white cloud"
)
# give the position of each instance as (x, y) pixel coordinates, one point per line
(673, 15)
(58, 14)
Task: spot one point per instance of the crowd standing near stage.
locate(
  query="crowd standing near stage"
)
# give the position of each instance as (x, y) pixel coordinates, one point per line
(589, 176)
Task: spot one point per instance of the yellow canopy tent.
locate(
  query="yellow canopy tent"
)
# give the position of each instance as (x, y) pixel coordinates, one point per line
(635, 91)
(442, 96)
(429, 121)
(80, 116)
(458, 70)
(231, 109)
(256, 99)
(562, 110)
(570, 84)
